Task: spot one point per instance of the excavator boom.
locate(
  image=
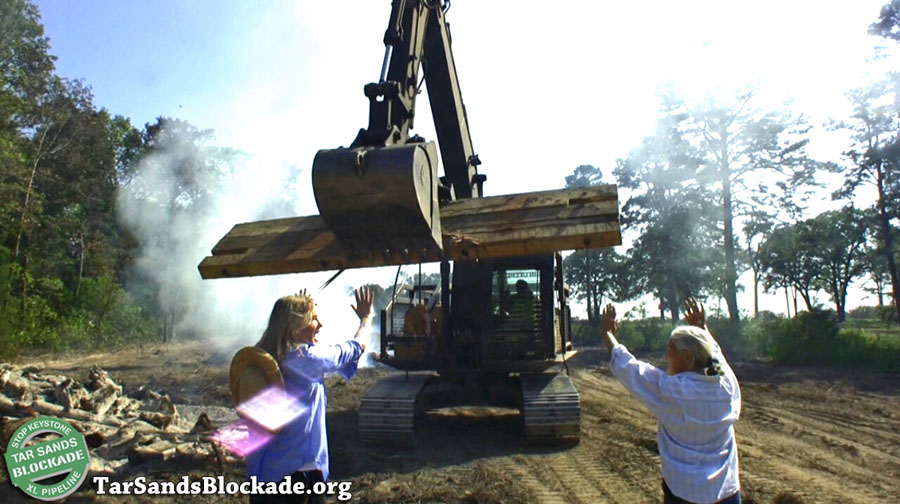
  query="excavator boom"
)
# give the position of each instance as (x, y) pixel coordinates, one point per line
(382, 201)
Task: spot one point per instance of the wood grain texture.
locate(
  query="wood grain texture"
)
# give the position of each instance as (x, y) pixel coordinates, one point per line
(477, 228)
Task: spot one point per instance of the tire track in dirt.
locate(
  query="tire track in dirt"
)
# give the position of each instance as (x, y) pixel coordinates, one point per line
(783, 470)
(882, 437)
(571, 477)
(865, 410)
(597, 474)
(618, 440)
(794, 451)
(787, 446)
(838, 454)
(588, 479)
(536, 488)
(578, 478)
(868, 441)
(848, 432)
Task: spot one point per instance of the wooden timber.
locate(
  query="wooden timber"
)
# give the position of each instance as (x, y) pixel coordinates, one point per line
(475, 228)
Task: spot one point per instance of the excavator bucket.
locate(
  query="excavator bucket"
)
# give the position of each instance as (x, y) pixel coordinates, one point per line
(380, 198)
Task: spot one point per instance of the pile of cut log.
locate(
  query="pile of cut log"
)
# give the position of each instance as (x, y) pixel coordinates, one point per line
(124, 432)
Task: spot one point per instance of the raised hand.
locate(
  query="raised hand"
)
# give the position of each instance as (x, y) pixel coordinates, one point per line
(608, 326)
(694, 313)
(608, 322)
(363, 307)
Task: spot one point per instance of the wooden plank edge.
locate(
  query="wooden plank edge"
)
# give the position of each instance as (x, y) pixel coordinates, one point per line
(243, 265)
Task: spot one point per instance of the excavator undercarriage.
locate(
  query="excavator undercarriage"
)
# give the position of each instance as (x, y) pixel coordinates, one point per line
(548, 402)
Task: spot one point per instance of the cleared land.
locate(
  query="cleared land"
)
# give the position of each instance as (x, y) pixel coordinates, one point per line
(806, 435)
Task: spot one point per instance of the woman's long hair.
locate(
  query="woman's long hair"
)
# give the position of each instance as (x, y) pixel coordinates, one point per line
(290, 314)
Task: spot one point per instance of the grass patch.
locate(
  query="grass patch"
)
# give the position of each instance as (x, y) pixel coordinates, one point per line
(811, 338)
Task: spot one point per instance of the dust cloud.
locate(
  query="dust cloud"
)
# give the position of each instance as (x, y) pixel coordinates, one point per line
(184, 196)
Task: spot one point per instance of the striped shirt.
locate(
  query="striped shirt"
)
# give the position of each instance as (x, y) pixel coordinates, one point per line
(695, 429)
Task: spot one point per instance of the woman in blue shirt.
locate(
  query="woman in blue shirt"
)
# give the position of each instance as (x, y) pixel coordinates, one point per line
(696, 403)
(300, 449)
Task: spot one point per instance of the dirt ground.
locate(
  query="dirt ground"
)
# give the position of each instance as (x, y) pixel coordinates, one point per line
(805, 436)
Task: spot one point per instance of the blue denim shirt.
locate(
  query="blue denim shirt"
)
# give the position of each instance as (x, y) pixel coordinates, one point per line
(302, 444)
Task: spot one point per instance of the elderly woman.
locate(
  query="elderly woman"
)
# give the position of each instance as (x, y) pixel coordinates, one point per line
(696, 404)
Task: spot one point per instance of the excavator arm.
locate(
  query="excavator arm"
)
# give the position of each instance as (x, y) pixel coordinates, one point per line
(382, 201)
(418, 40)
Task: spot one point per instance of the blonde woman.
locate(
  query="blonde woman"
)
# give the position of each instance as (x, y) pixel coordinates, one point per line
(300, 449)
(696, 404)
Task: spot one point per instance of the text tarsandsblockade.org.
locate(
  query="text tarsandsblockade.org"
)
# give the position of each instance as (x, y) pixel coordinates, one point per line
(216, 485)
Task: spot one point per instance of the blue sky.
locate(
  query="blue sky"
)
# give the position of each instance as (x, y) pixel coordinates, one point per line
(286, 77)
(145, 59)
(548, 86)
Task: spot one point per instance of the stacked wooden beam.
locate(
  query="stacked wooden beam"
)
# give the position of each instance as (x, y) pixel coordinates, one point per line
(478, 228)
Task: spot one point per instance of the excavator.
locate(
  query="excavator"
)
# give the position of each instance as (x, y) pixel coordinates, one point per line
(497, 330)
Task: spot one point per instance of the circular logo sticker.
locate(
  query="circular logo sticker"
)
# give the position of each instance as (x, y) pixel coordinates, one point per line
(64, 455)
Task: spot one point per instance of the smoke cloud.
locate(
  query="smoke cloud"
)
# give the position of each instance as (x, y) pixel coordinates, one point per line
(185, 195)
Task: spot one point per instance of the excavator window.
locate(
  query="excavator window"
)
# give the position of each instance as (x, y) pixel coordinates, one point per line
(516, 303)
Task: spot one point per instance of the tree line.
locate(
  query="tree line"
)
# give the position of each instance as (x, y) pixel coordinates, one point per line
(720, 188)
(714, 192)
(70, 173)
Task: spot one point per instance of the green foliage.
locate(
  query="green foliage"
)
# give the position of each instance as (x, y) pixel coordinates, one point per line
(788, 259)
(756, 336)
(593, 275)
(105, 315)
(886, 314)
(584, 176)
(30, 322)
(860, 349)
(816, 338)
(671, 210)
(874, 160)
(730, 336)
(25, 65)
(812, 338)
(861, 313)
(110, 314)
(583, 333)
(58, 185)
(740, 143)
(804, 339)
(825, 252)
(649, 334)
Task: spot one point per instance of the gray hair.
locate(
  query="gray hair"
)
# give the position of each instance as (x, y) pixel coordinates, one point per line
(700, 343)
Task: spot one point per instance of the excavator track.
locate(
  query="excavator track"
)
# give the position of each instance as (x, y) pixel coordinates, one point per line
(387, 411)
(551, 408)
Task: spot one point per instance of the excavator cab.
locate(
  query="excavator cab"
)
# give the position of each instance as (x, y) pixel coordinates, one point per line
(510, 315)
(520, 323)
